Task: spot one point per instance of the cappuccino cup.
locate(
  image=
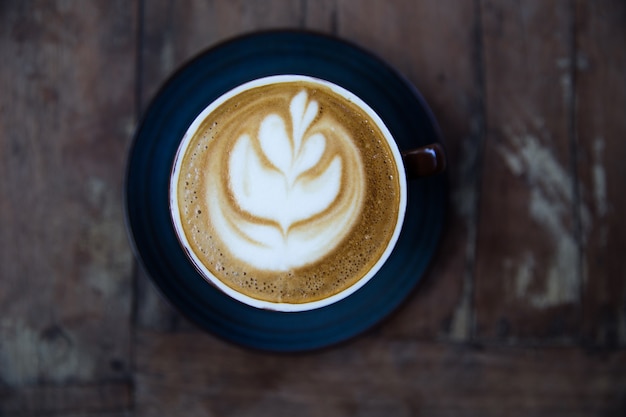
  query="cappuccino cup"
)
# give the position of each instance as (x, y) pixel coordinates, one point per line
(288, 192)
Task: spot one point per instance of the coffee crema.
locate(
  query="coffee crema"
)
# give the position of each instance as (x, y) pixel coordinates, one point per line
(287, 192)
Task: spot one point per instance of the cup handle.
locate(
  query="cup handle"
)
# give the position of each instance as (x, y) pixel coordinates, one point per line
(424, 161)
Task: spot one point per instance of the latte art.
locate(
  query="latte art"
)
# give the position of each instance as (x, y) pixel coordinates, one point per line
(282, 208)
(285, 191)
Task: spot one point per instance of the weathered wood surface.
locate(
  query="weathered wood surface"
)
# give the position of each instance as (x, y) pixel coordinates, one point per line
(373, 376)
(528, 268)
(523, 311)
(600, 145)
(66, 117)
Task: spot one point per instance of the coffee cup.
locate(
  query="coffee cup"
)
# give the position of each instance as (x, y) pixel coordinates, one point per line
(288, 192)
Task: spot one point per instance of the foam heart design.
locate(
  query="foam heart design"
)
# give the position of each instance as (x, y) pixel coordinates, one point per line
(278, 191)
(288, 203)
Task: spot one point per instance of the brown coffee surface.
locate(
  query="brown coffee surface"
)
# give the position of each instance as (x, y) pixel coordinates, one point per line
(249, 184)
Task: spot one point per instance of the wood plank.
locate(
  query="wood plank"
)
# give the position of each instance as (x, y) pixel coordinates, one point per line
(528, 268)
(66, 116)
(199, 375)
(102, 399)
(435, 45)
(601, 134)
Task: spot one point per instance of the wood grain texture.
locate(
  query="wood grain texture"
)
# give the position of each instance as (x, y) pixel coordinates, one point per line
(528, 266)
(601, 142)
(199, 375)
(66, 117)
(102, 399)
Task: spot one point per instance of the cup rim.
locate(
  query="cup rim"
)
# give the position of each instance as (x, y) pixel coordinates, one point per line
(206, 274)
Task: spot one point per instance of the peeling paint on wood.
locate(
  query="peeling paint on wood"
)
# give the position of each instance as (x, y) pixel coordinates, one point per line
(550, 205)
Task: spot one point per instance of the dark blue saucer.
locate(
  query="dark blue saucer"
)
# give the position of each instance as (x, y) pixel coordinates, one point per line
(185, 95)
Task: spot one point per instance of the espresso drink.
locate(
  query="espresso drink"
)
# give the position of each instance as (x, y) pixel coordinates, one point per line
(287, 191)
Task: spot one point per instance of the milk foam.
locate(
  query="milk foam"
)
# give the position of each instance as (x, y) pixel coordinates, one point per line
(283, 181)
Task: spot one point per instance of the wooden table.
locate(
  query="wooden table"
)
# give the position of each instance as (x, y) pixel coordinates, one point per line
(523, 311)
